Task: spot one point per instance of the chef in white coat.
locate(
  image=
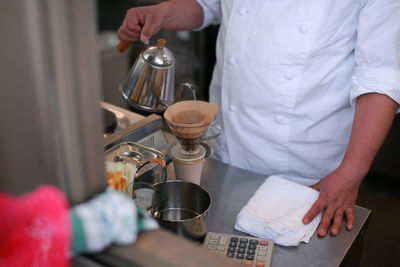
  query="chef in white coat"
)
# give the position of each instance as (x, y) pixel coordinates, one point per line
(307, 89)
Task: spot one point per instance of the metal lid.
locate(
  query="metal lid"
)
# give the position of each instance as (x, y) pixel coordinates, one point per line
(158, 55)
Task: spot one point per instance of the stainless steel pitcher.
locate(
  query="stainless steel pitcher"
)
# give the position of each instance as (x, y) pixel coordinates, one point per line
(149, 85)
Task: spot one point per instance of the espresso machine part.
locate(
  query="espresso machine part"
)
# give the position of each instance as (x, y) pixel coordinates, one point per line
(149, 85)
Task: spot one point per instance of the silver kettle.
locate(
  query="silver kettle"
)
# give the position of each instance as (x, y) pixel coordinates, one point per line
(149, 85)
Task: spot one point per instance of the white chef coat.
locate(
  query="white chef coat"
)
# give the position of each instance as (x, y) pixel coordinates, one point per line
(288, 73)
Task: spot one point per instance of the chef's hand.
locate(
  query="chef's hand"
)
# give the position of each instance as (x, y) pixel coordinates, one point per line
(143, 22)
(338, 194)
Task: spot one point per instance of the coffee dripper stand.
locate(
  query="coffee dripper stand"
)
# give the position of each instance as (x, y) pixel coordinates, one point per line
(192, 149)
(197, 145)
(188, 156)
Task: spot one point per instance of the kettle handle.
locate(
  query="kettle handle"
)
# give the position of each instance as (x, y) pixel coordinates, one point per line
(183, 86)
(214, 130)
(123, 45)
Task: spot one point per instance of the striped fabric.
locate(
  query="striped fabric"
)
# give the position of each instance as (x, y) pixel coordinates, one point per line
(110, 217)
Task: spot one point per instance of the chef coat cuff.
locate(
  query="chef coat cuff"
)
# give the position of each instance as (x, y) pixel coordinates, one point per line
(211, 11)
(385, 81)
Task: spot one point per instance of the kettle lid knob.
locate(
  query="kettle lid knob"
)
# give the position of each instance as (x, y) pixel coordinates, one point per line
(158, 55)
(161, 43)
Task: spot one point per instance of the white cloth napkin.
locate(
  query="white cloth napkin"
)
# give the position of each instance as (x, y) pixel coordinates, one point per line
(276, 211)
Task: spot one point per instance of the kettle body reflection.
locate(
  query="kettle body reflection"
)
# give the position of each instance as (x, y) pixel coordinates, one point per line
(149, 85)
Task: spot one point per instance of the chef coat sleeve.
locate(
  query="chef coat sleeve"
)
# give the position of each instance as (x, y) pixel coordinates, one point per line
(212, 12)
(377, 51)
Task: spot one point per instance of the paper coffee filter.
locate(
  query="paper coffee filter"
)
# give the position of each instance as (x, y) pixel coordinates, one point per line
(190, 118)
(189, 121)
(191, 113)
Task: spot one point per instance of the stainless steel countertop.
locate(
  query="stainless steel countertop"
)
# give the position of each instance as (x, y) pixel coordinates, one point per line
(230, 189)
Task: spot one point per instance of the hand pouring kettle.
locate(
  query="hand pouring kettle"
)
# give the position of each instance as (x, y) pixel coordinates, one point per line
(149, 85)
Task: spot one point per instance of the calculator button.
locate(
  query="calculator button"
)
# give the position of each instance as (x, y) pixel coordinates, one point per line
(248, 263)
(233, 244)
(262, 253)
(211, 246)
(242, 250)
(251, 251)
(250, 257)
(260, 264)
(223, 239)
(239, 261)
(260, 258)
(232, 249)
(239, 256)
(242, 245)
(230, 254)
(244, 240)
(213, 242)
(253, 241)
(264, 243)
(221, 248)
(234, 239)
(252, 246)
(223, 242)
(214, 236)
(262, 248)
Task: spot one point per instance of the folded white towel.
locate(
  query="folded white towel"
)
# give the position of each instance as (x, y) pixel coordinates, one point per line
(276, 211)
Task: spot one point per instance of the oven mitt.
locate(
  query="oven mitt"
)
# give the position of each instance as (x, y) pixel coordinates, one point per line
(35, 229)
(110, 217)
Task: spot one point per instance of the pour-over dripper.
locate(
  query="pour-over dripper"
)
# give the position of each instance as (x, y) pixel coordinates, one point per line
(189, 121)
(188, 137)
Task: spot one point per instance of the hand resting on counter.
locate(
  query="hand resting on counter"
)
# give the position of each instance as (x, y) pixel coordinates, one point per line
(337, 198)
(373, 118)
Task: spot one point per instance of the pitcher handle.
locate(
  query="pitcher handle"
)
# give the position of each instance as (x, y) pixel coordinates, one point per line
(183, 86)
(213, 127)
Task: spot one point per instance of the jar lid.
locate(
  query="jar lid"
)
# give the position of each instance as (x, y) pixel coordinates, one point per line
(178, 153)
(158, 55)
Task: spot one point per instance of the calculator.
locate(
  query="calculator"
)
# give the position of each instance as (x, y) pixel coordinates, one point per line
(249, 251)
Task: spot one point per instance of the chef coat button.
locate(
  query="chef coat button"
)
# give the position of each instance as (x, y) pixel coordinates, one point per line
(232, 61)
(232, 108)
(288, 76)
(279, 119)
(303, 28)
(242, 11)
